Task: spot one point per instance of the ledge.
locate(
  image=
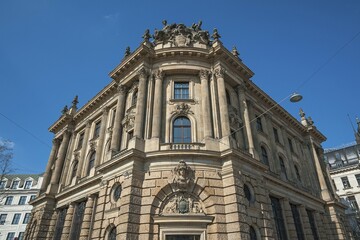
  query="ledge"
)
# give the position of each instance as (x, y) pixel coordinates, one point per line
(183, 218)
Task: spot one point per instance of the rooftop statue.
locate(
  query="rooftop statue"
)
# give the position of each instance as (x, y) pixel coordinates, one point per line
(181, 35)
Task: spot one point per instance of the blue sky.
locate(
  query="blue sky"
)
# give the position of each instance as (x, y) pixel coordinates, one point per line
(51, 51)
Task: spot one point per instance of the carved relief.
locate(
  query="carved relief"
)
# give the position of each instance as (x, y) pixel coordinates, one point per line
(182, 203)
(234, 117)
(158, 74)
(143, 73)
(181, 35)
(182, 108)
(122, 89)
(182, 175)
(129, 119)
(204, 74)
(220, 72)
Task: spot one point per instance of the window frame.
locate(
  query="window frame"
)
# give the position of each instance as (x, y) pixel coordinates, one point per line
(26, 218)
(27, 185)
(91, 162)
(346, 183)
(259, 125)
(3, 218)
(184, 92)
(9, 200)
(10, 236)
(283, 166)
(264, 155)
(184, 128)
(97, 129)
(278, 217)
(22, 200)
(13, 186)
(16, 219)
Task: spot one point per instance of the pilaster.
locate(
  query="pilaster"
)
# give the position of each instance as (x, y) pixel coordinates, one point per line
(100, 144)
(68, 220)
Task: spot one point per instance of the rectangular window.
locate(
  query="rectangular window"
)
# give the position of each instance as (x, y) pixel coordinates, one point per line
(276, 135)
(60, 224)
(297, 221)
(113, 118)
(22, 200)
(3, 219)
(278, 218)
(345, 182)
(16, 218)
(15, 184)
(2, 184)
(81, 140)
(26, 218)
(10, 236)
(32, 197)
(28, 184)
(9, 200)
(291, 145)
(353, 203)
(97, 129)
(259, 126)
(181, 90)
(358, 179)
(21, 236)
(312, 224)
(77, 220)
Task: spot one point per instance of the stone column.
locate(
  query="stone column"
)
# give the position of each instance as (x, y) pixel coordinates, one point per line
(156, 123)
(325, 194)
(100, 142)
(140, 104)
(68, 220)
(120, 110)
(61, 158)
(88, 214)
(52, 157)
(205, 103)
(65, 173)
(246, 116)
(54, 217)
(83, 150)
(224, 113)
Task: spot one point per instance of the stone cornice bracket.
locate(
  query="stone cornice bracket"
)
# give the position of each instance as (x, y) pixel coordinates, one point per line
(204, 74)
(122, 88)
(143, 73)
(241, 88)
(220, 72)
(105, 110)
(159, 74)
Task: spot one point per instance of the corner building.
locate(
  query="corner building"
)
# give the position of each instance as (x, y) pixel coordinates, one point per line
(177, 147)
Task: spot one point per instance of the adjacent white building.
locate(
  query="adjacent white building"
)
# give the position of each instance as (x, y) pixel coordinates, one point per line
(344, 170)
(16, 191)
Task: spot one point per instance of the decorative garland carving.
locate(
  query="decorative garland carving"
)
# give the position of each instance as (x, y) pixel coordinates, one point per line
(182, 108)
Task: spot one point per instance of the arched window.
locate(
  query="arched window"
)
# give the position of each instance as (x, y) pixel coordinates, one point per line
(297, 173)
(252, 233)
(134, 97)
(247, 192)
(182, 130)
(282, 166)
(264, 156)
(74, 169)
(112, 234)
(228, 100)
(117, 192)
(91, 162)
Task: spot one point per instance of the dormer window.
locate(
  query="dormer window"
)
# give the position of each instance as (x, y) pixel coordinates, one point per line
(15, 184)
(2, 184)
(181, 90)
(28, 184)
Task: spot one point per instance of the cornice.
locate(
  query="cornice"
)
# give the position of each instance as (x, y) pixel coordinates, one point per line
(130, 61)
(344, 169)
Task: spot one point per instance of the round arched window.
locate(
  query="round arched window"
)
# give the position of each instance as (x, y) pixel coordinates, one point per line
(182, 130)
(247, 192)
(112, 234)
(117, 192)
(252, 233)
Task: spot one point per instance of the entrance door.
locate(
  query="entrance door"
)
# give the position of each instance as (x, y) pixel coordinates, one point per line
(182, 237)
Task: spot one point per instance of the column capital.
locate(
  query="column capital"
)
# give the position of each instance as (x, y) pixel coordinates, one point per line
(105, 110)
(143, 73)
(122, 89)
(88, 124)
(204, 74)
(241, 88)
(159, 74)
(219, 72)
(56, 142)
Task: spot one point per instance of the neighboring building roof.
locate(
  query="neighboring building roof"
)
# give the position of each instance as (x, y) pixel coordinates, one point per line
(22, 178)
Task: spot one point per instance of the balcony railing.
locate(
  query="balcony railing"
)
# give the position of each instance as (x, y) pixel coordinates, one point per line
(182, 146)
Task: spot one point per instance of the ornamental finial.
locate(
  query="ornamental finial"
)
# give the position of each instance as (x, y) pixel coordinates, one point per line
(65, 110)
(146, 35)
(235, 52)
(127, 51)
(215, 35)
(75, 101)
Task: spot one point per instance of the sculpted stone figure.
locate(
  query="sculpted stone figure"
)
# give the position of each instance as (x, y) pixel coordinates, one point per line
(182, 175)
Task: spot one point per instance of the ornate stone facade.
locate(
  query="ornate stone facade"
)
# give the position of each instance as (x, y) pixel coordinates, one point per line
(190, 154)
